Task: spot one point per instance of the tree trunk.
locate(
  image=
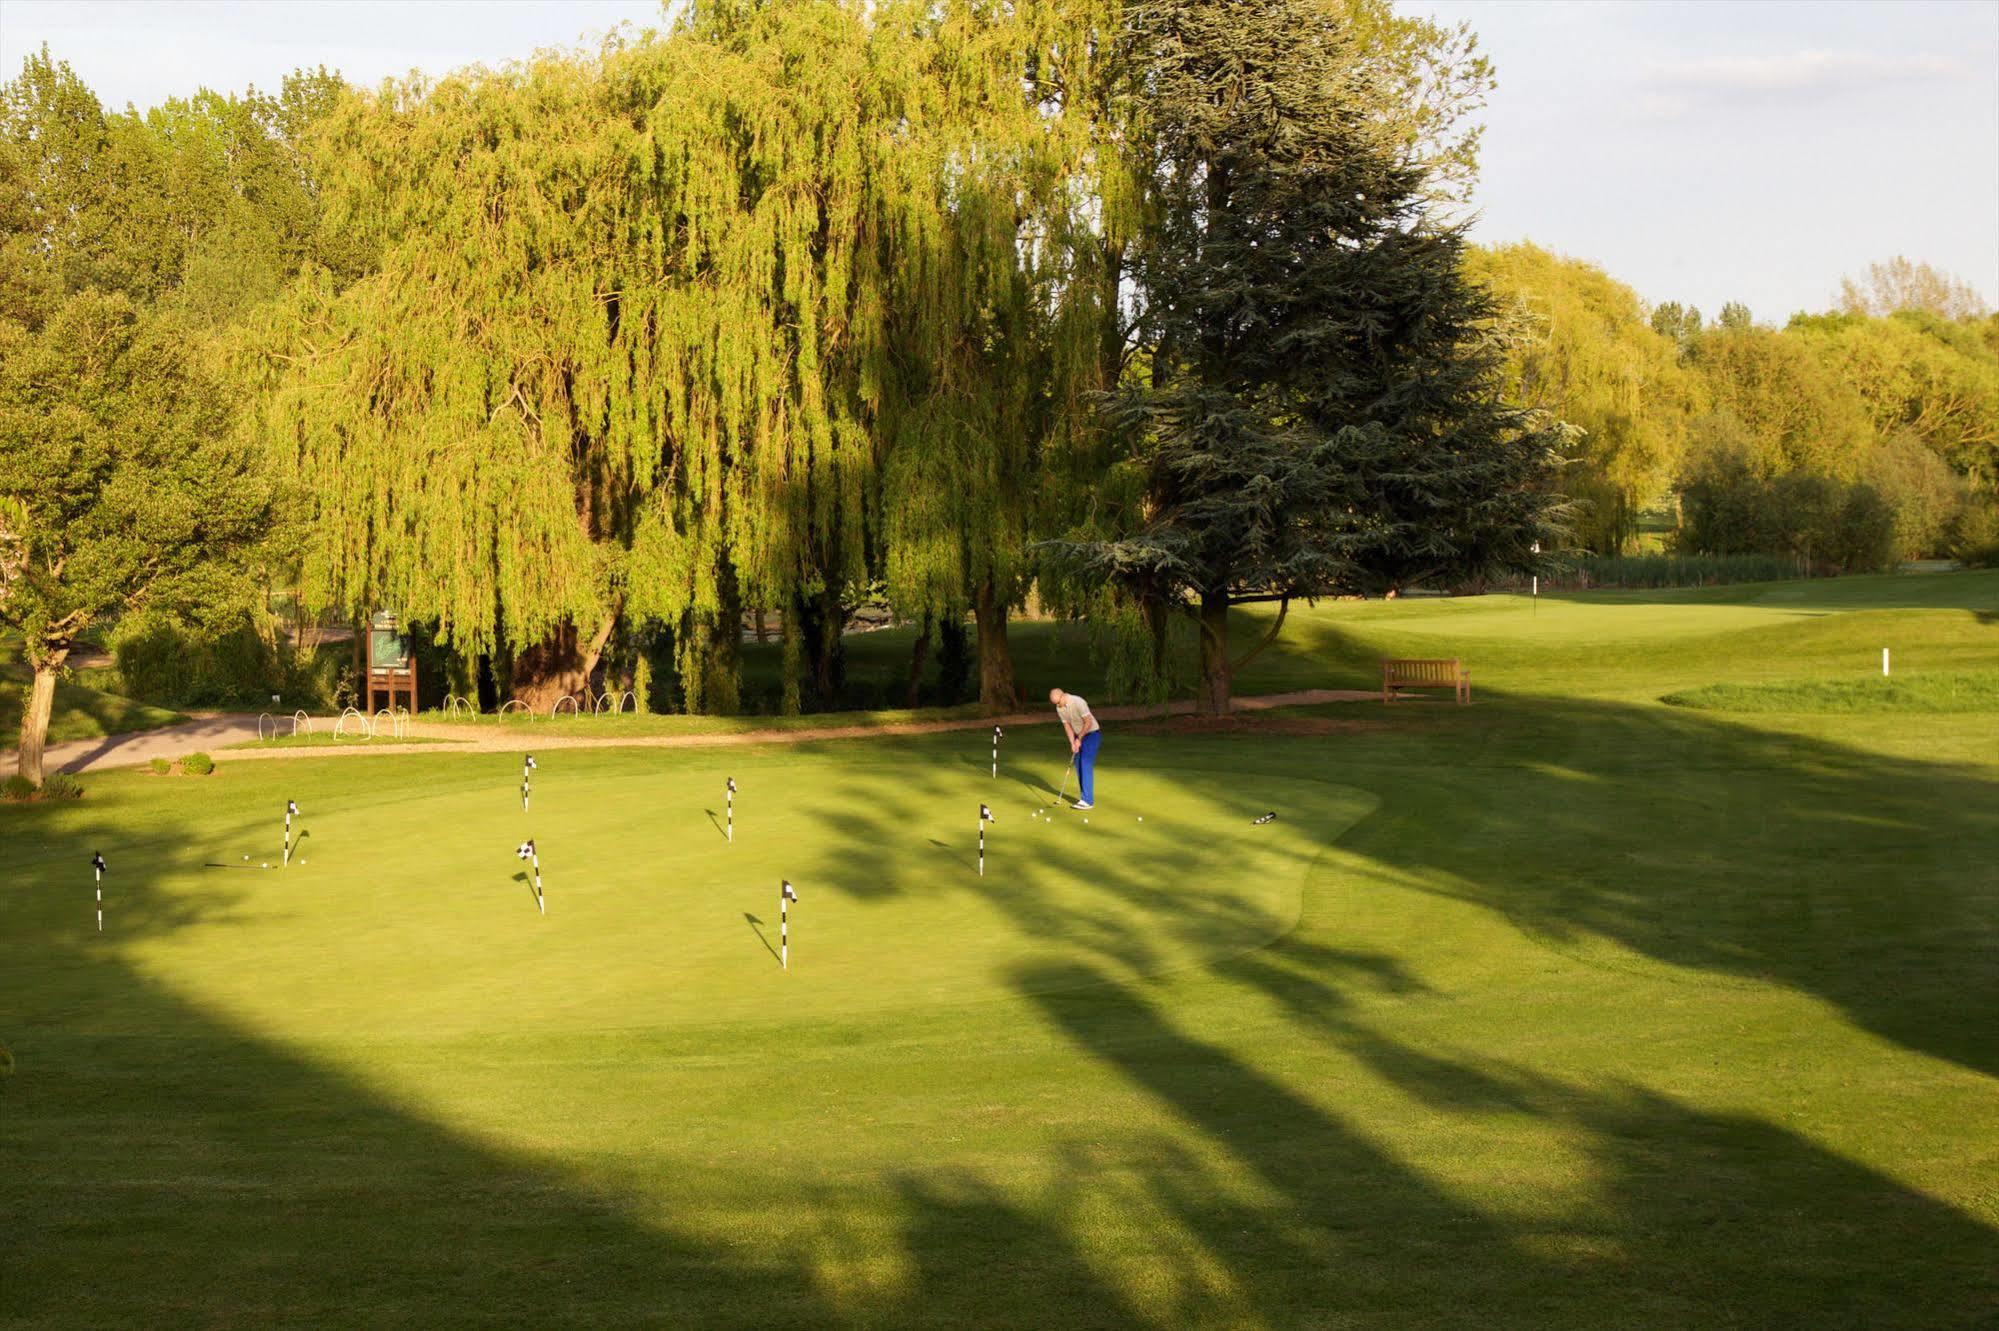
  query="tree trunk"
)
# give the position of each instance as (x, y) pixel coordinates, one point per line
(998, 692)
(721, 665)
(35, 716)
(560, 664)
(919, 660)
(547, 670)
(1216, 673)
(819, 624)
(1158, 625)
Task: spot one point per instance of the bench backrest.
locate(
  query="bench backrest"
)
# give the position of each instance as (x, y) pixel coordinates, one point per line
(1443, 672)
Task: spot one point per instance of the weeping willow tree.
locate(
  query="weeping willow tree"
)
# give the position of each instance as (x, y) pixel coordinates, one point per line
(458, 418)
(991, 355)
(617, 350)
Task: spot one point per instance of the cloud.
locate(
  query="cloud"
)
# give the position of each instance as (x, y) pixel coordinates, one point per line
(1799, 76)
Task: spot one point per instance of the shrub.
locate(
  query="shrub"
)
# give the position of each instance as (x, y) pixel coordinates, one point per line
(161, 767)
(197, 764)
(162, 662)
(61, 786)
(1974, 537)
(57, 786)
(1649, 571)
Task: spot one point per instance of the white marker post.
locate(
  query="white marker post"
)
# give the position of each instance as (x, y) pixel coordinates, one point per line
(996, 740)
(291, 811)
(729, 811)
(529, 853)
(985, 816)
(97, 865)
(1884, 660)
(527, 766)
(785, 896)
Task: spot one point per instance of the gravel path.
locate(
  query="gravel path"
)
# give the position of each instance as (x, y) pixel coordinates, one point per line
(215, 731)
(210, 731)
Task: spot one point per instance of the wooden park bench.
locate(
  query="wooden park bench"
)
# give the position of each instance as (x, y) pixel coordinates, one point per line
(1425, 674)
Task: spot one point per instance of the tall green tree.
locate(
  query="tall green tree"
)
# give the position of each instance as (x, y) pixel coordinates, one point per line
(1584, 351)
(1321, 412)
(122, 483)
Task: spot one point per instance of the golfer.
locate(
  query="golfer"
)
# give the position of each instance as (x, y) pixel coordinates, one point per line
(1084, 737)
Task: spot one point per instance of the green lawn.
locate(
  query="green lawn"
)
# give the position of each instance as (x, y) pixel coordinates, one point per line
(80, 712)
(1567, 1009)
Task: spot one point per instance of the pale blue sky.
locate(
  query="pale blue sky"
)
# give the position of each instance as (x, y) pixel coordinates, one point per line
(1700, 150)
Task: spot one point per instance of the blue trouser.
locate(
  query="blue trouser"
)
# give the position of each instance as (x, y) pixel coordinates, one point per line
(1086, 766)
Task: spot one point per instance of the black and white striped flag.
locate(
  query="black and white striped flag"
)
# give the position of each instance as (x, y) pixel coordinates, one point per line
(729, 811)
(985, 816)
(97, 865)
(291, 812)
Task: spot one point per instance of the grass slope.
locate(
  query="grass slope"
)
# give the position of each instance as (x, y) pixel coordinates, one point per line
(1565, 1009)
(1941, 692)
(79, 713)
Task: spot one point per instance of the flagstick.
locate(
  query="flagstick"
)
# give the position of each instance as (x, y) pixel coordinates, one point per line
(291, 807)
(785, 896)
(527, 766)
(528, 851)
(730, 812)
(985, 816)
(996, 739)
(97, 867)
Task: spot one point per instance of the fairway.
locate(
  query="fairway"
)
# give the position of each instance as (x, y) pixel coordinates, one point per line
(1570, 1008)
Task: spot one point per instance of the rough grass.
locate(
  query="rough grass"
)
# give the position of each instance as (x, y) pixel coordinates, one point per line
(1941, 692)
(1565, 1009)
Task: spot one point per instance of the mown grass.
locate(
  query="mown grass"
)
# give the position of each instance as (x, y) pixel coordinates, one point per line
(1565, 1009)
(1943, 692)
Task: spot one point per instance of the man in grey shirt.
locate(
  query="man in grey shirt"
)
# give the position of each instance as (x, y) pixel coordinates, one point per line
(1084, 737)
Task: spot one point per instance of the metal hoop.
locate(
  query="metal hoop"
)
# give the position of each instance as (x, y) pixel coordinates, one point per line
(261, 718)
(454, 704)
(555, 708)
(367, 727)
(396, 723)
(514, 702)
(298, 718)
(616, 701)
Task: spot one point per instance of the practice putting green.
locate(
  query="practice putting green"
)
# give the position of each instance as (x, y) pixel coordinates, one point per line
(399, 912)
(1567, 1009)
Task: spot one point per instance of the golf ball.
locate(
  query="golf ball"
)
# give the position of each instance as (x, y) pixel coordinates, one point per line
(267, 864)
(1086, 820)
(1141, 817)
(246, 857)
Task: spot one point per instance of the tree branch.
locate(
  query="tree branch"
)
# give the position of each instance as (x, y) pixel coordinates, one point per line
(1283, 608)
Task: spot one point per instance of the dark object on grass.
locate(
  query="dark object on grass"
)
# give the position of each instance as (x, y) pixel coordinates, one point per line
(1268, 817)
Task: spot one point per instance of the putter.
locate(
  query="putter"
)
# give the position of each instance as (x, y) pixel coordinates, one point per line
(1063, 798)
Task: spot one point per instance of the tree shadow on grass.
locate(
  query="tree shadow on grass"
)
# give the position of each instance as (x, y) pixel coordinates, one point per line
(206, 1174)
(1691, 1218)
